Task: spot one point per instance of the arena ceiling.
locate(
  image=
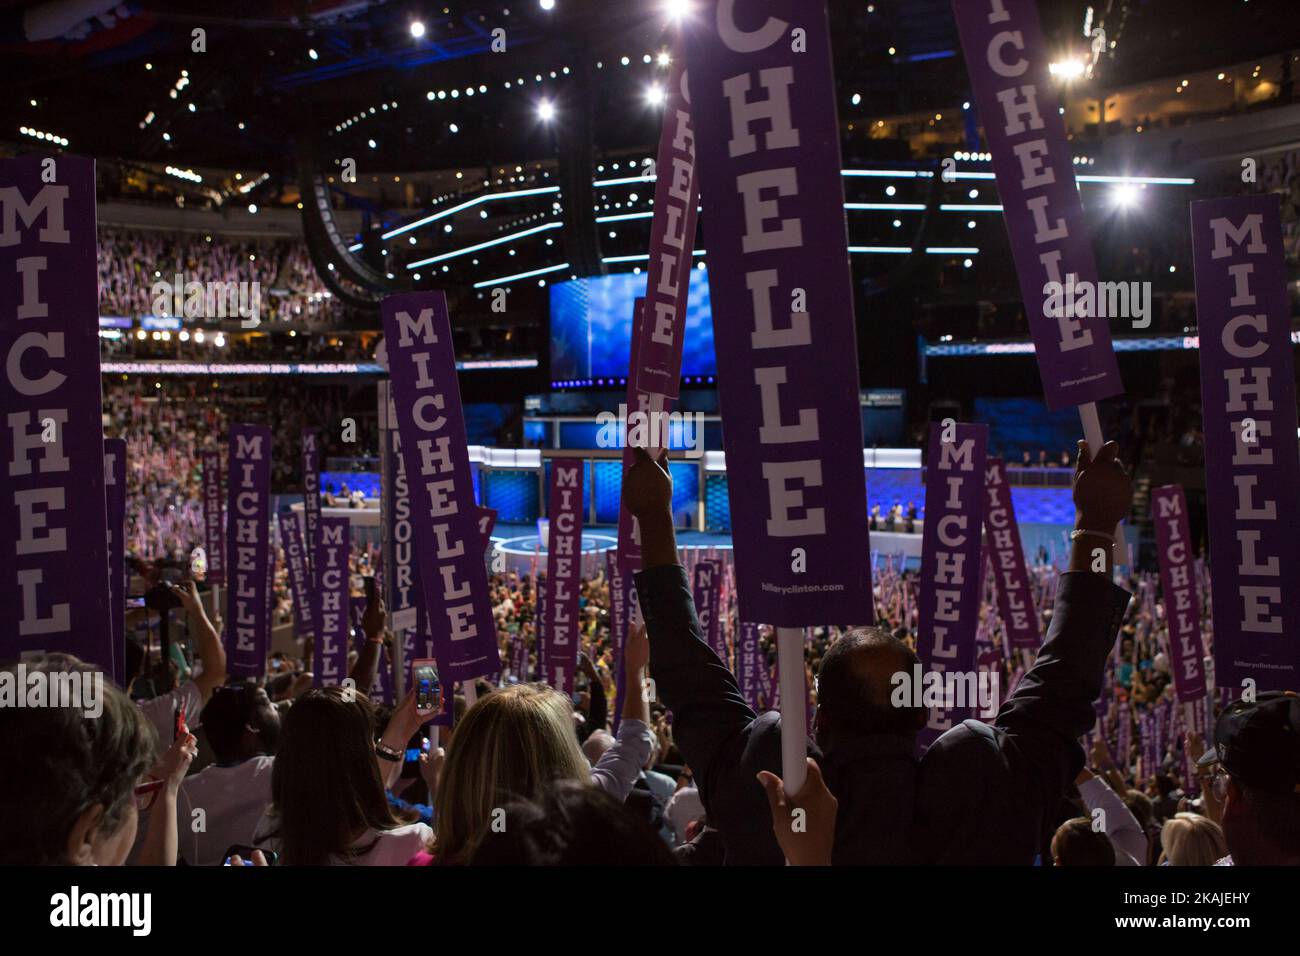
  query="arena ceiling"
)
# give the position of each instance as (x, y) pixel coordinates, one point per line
(101, 74)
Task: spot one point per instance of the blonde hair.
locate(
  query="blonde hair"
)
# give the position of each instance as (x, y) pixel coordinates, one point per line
(509, 745)
(1190, 839)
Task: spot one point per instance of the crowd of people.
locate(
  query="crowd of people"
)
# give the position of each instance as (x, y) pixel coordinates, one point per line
(132, 261)
(291, 773)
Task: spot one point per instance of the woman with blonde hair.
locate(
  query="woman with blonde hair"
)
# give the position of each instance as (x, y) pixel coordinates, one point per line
(515, 742)
(1190, 839)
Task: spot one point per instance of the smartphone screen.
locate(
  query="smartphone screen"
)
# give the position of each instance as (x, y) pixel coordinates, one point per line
(428, 689)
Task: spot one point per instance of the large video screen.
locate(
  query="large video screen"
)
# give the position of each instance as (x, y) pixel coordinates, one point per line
(591, 327)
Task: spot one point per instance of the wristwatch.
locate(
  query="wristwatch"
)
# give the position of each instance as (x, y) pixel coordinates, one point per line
(386, 752)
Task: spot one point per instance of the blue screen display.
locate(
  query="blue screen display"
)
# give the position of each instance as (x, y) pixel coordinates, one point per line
(591, 326)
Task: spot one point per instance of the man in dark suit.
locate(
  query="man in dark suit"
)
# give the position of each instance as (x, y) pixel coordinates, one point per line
(981, 794)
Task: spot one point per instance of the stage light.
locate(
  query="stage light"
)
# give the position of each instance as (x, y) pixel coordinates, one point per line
(546, 111)
(417, 29)
(547, 5)
(453, 127)
(198, 336)
(141, 334)
(1066, 69)
(665, 59)
(313, 54)
(857, 99)
(252, 209)
(968, 263)
(371, 143)
(1124, 196)
(655, 95)
(676, 9)
(220, 341)
(183, 335)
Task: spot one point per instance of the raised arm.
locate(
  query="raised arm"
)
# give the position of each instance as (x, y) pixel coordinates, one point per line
(709, 711)
(1052, 706)
(207, 642)
(366, 669)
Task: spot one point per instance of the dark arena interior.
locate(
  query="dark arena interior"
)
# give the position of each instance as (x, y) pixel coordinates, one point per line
(651, 432)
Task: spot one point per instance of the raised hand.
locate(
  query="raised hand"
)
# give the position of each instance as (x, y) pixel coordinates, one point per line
(805, 823)
(1103, 490)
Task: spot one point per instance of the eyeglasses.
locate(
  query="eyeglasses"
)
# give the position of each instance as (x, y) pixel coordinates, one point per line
(146, 793)
(1216, 783)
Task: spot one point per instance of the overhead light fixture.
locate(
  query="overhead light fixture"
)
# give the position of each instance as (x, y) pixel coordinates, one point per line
(417, 28)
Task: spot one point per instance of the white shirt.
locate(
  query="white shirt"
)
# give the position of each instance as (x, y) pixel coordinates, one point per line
(160, 711)
(233, 800)
(684, 808)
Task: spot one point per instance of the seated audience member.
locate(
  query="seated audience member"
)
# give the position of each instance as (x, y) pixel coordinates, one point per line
(570, 824)
(1256, 757)
(328, 801)
(234, 793)
(1076, 843)
(1190, 839)
(516, 741)
(85, 776)
(981, 793)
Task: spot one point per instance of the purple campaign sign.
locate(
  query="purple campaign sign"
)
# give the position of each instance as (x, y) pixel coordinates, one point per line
(638, 403)
(53, 535)
(764, 109)
(1015, 598)
(563, 568)
(115, 491)
(1252, 458)
(672, 241)
(330, 663)
(401, 568)
(747, 664)
(706, 587)
(1178, 585)
(426, 401)
(310, 497)
(248, 544)
(949, 600)
(214, 528)
(295, 556)
(1007, 60)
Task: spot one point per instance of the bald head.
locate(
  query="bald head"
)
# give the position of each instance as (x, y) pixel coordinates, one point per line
(854, 686)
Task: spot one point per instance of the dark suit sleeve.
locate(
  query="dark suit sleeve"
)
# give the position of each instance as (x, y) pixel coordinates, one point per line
(713, 726)
(709, 711)
(1052, 706)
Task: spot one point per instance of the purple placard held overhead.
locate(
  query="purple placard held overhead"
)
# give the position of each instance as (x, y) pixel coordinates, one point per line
(248, 544)
(1007, 60)
(115, 492)
(487, 520)
(214, 528)
(401, 568)
(1252, 458)
(426, 401)
(747, 664)
(330, 664)
(1007, 556)
(53, 534)
(948, 603)
(617, 605)
(638, 403)
(563, 568)
(763, 102)
(310, 497)
(295, 556)
(706, 587)
(1178, 585)
(672, 241)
